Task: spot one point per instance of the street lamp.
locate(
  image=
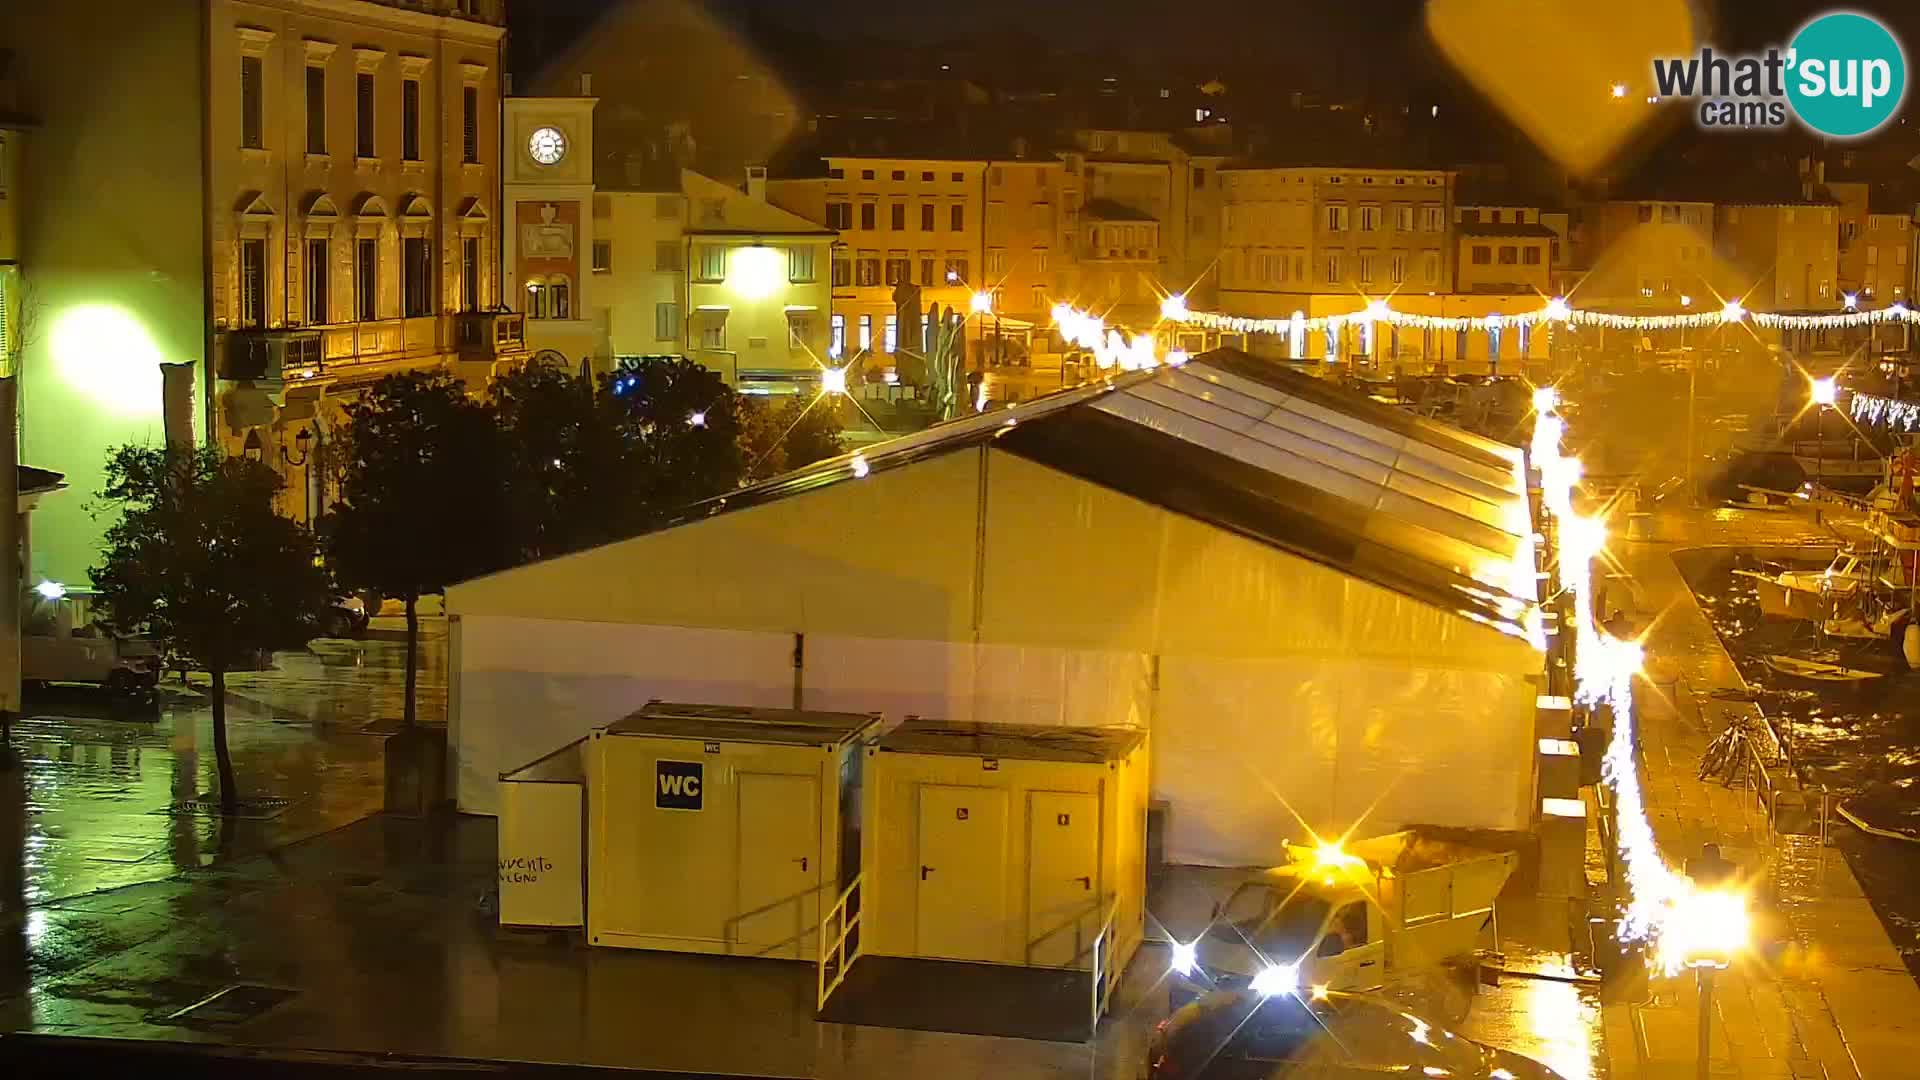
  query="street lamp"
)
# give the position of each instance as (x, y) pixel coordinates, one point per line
(981, 303)
(1619, 90)
(1705, 929)
(1825, 393)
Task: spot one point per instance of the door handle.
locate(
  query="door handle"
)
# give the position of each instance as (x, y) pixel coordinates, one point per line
(1085, 882)
(802, 860)
(924, 871)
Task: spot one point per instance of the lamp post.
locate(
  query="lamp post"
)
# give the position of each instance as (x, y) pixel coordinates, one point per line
(1707, 926)
(1693, 371)
(302, 440)
(1824, 395)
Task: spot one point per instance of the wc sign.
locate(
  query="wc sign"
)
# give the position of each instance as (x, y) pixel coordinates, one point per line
(677, 785)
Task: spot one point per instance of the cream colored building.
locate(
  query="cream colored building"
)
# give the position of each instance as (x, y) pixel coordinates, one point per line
(1503, 249)
(1885, 253)
(714, 272)
(1780, 256)
(1645, 256)
(288, 198)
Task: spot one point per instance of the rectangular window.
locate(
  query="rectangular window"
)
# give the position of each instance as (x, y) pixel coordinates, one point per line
(891, 330)
(866, 270)
(1039, 298)
(410, 120)
(926, 217)
(713, 329)
(866, 333)
(315, 271)
(836, 174)
(1482, 255)
(799, 331)
(470, 125)
(1433, 218)
(956, 269)
(957, 217)
(1039, 260)
(666, 322)
(417, 253)
(252, 109)
(1336, 217)
(996, 176)
(666, 255)
(1403, 217)
(837, 336)
(996, 261)
(1199, 178)
(866, 174)
(1366, 266)
(1873, 256)
(926, 269)
(868, 213)
(602, 256)
(1646, 215)
(470, 273)
(713, 262)
(899, 174)
(253, 282)
(1430, 267)
(1509, 255)
(839, 215)
(897, 216)
(1333, 266)
(1369, 219)
(800, 262)
(363, 113)
(897, 268)
(1530, 255)
(1397, 268)
(316, 110)
(842, 270)
(366, 279)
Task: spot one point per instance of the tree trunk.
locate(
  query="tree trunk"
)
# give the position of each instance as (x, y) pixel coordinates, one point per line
(229, 793)
(413, 653)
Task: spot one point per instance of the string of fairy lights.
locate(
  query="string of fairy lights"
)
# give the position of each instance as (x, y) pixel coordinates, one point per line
(1683, 925)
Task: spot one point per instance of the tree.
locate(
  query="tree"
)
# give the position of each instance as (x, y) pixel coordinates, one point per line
(593, 461)
(776, 439)
(201, 561)
(423, 500)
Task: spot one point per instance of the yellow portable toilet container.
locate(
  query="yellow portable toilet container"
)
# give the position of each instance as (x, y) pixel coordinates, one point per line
(1005, 844)
(719, 829)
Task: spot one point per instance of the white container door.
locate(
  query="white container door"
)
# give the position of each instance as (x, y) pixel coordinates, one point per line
(778, 910)
(1063, 878)
(963, 866)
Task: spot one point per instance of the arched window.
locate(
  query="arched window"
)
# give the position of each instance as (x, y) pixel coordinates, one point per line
(550, 296)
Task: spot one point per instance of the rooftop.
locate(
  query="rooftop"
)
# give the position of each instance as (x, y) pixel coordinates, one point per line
(1014, 742)
(734, 723)
(1506, 228)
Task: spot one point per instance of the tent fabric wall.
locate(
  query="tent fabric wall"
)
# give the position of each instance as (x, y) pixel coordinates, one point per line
(528, 686)
(1004, 684)
(1252, 753)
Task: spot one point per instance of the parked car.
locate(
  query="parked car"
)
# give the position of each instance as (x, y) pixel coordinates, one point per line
(62, 642)
(1246, 1035)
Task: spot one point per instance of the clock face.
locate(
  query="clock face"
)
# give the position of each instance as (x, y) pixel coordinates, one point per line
(547, 145)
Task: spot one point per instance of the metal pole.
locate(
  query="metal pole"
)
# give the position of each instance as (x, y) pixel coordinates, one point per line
(1820, 458)
(1705, 977)
(1693, 372)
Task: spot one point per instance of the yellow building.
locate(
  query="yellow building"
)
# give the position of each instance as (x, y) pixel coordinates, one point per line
(289, 196)
(1645, 256)
(716, 273)
(1172, 178)
(1885, 259)
(900, 221)
(1780, 256)
(1503, 249)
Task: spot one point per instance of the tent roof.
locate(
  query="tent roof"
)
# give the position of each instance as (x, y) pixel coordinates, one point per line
(1422, 509)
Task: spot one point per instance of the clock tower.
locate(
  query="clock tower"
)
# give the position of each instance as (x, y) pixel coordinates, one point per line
(548, 237)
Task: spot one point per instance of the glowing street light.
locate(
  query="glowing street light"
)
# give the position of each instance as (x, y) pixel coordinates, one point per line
(1545, 399)
(1731, 311)
(1825, 392)
(697, 419)
(1557, 309)
(1619, 90)
(981, 303)
(1185, 956)
(50, 590)
(833, 380)
(1685, 300)
(1852, 300)
(1174, 308)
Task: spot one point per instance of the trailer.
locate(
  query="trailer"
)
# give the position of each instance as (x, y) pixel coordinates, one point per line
(1349, 918)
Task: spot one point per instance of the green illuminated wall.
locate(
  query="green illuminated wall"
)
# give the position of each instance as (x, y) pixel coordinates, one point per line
(113, 240)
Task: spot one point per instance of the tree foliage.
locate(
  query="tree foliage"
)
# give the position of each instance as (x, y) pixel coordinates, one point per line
(201, 561)
(778, 438)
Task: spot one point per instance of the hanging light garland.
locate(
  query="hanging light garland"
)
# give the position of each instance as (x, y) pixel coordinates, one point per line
(1556, 310)
(1891, 413)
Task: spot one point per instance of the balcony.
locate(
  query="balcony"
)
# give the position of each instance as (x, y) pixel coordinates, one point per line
(490, 335)
(278, 355)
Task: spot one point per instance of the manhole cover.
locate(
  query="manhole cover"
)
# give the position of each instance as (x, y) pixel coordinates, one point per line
(255, 809)
(234, 1005)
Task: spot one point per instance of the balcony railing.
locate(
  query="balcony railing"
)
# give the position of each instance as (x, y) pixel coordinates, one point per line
(307, 351)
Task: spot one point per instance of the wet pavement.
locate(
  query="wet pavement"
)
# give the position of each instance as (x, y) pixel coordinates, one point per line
(1824, 993)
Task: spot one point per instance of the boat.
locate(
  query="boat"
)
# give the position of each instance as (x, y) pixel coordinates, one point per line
(1809, 594)
(1819, 672)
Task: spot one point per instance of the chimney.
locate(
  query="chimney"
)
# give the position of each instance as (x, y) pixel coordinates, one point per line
(757, 183)
(1019, 147)
(586, 84)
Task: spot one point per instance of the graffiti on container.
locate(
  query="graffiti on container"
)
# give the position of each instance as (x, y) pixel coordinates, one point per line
(524, 870)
